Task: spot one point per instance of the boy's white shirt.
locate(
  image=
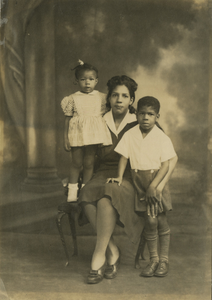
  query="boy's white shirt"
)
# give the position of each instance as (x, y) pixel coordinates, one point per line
(146, 153)
(129, 118)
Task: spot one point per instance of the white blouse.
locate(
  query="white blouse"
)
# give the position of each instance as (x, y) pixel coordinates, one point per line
(146, 153)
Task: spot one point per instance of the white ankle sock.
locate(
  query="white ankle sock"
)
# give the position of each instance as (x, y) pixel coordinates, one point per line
(72, 192)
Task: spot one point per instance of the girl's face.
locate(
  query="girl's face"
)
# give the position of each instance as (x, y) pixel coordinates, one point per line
(87, 81)
(120, 100)
(147, 117)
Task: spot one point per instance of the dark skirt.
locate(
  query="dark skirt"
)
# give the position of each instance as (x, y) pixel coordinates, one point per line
(141, 181)
(122, 199)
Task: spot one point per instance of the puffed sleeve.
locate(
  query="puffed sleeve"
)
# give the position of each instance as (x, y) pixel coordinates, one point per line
(104, 108)
(67, 105)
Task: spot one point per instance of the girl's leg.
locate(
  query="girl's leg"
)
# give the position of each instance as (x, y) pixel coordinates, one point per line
(105, 225)
(76, 163)
(112, 250)
(88, 162)
(164, 236)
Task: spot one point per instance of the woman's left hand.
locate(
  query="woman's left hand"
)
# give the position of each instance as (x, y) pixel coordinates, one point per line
(113, 180)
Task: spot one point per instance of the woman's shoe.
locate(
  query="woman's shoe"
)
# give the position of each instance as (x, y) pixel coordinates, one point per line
(111, 270)
(95, 276)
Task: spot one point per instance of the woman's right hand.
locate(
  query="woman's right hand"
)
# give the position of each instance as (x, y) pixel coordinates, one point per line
(113, 180)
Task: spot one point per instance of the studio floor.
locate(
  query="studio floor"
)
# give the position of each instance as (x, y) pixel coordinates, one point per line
(32, 259)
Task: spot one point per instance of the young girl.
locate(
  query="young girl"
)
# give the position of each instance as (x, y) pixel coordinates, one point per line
(149, 151)
(84, 126)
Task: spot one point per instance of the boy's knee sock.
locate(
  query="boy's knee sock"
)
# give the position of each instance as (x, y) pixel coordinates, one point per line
(153, 248)
(164, 241)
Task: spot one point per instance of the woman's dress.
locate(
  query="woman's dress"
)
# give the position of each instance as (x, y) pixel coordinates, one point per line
(122, 197)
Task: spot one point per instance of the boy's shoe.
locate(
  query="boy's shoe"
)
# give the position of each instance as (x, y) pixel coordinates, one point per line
(72, 192)
(150, 269)
(162, 269)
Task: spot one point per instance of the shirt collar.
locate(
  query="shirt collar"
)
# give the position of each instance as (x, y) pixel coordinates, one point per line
(129, 118)
(92, 93)
(137, 132)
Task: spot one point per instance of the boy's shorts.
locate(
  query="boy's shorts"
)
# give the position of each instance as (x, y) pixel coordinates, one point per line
(141, 180)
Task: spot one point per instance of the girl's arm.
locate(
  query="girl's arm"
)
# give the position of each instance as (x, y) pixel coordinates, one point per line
(66, 127)
(121, 168)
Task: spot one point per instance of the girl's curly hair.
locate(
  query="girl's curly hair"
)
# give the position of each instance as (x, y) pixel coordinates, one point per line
(122, 80)
(85, 67)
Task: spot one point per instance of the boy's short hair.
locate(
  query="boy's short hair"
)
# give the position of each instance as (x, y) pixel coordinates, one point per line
(149, 101)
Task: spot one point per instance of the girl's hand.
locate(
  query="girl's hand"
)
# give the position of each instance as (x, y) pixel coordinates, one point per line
(67, 145)
(113, 180)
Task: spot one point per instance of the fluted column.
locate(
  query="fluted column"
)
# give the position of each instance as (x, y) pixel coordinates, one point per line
(39, 54)
(209, 165)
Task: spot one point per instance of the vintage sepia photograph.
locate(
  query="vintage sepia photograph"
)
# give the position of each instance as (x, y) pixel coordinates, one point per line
(105, 149)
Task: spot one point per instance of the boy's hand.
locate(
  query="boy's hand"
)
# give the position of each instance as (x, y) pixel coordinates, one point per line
(159, 197)
(112, 180)
(152, 209)
(67, 145)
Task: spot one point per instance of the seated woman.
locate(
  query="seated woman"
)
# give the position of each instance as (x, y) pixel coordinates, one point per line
(104, 203)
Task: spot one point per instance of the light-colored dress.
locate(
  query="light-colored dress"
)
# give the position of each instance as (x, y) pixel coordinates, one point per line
(87, 126)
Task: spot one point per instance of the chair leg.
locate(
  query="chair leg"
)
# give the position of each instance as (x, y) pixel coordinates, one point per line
(140, 251)
(58, 222)
(71, 217)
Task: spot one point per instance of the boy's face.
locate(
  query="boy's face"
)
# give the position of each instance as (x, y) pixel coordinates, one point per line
(147, 117)
(87, 81)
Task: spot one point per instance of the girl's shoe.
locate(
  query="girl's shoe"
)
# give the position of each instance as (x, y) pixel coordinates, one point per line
(111, 270)
(72, 192)
(96, 276)
(162, 269)
(150, 269)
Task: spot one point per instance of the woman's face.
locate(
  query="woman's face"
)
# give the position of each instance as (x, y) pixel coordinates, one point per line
(120, 100)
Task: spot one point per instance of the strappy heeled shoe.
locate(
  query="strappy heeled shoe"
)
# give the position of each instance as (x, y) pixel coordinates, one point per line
(95, 276)
(111, 270)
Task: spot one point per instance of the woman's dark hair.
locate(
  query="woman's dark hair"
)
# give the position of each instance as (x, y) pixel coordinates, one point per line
(84, 67)
(149, 101)
(122, 80)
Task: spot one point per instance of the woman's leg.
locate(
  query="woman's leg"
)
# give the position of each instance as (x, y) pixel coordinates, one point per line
(88, 162)
(76, 163)
(105, 225)
(112, 250)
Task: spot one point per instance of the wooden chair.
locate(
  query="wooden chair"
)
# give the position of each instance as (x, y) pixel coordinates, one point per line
(72, 210)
